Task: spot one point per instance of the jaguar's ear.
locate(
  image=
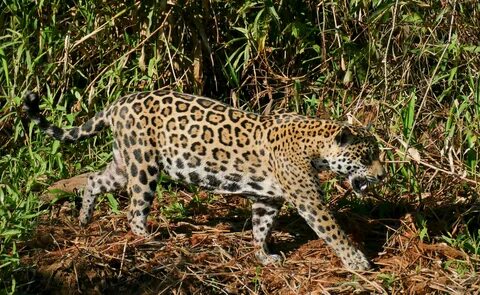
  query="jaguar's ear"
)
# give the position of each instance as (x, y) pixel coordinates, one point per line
(344, 136)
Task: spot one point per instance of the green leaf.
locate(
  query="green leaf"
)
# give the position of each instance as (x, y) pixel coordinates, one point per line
(113, 203)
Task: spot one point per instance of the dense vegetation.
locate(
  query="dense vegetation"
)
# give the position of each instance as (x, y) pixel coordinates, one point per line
(410, 69)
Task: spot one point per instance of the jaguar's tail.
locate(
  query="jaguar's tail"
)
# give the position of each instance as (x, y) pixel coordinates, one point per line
(91, 127)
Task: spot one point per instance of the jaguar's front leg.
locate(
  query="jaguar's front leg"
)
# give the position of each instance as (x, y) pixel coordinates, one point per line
(304, 192)
(322, 222)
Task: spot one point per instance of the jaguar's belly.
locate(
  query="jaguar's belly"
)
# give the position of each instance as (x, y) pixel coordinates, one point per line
(220, 178)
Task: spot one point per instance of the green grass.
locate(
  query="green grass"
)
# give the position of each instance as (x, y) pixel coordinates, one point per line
(410, 69)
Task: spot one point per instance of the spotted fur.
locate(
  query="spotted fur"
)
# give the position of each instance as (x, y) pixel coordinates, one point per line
(268, 158)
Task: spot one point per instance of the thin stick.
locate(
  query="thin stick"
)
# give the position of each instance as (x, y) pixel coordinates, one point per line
(123, 259)
(128, 53)
(388, 46)
(88, 36)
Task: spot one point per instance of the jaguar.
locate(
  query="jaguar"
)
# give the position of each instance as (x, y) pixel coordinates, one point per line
(197, 140)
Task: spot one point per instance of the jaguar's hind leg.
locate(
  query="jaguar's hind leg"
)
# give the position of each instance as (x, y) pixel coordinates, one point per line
(142, 182)
(113, 178)
(264, 213)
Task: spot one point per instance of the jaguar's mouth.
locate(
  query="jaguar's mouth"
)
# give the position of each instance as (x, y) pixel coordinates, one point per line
(360, 184)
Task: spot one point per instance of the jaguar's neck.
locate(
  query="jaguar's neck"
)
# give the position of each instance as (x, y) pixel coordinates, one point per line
(303, 135)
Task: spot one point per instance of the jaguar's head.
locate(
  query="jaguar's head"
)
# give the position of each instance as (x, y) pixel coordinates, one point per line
(354, 153)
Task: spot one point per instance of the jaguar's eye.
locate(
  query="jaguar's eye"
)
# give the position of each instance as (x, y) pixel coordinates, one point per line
(367, 159)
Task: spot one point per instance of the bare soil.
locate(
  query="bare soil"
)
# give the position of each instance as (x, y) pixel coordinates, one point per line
(209, 251)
